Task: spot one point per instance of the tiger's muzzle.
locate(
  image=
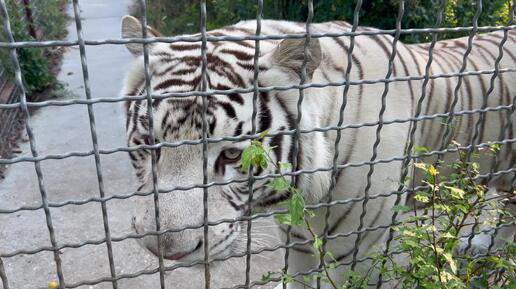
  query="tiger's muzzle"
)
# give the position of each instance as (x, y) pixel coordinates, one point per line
(181, 230)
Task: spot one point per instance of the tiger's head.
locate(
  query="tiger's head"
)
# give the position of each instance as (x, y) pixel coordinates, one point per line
(176, 67)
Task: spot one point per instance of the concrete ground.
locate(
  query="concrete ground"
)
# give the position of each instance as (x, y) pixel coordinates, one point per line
(63, 129)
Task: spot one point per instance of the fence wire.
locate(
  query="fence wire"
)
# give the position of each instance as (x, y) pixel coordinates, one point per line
(205, 91)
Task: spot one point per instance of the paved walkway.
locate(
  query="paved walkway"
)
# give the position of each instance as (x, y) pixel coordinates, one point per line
(63, 129)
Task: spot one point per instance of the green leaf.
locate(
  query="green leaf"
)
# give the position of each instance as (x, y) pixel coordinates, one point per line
(421, 198)
(317, 243)
(448, 235)
(254, 155)
(420, 166)
(420, 149)
(296, 208)
(279, 185)
(247, 157)
(263, 163)
(310, 213)
(448, 257)
(294, 190)
(283, 219)
(330, 254)
(475, 166)
(287, 279)
(462, 208)
(495, 148)
(456, 193)
(285, 166)
(267, 276)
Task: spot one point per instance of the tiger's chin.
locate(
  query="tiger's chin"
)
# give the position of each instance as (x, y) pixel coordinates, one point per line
(221, 247)
(194, 255)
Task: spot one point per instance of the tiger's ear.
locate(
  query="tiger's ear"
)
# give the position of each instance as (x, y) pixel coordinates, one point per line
(290, 54)
(132, 28)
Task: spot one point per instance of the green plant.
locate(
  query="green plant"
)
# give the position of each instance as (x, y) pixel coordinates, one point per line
(429, 240)
(35, 63)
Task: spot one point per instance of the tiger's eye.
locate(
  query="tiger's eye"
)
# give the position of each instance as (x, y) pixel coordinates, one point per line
(231, 154)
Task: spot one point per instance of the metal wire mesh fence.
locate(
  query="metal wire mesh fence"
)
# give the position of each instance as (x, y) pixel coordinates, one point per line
(204, 92)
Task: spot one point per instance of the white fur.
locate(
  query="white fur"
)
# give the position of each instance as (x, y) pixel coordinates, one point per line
(321, 107)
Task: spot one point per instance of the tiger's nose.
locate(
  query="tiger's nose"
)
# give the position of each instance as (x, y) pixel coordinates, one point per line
(169, 248)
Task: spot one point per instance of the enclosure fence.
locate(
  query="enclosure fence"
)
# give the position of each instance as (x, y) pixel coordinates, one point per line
(108, 239)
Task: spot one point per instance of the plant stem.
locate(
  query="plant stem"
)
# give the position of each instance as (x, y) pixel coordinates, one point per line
(321, 253)
(433, 232)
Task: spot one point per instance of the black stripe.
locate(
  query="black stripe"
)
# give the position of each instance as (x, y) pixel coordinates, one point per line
(364, 235)
(273, 198)
(250, 67)
(430, 95)
(342, 218)
(238, 129)
(265, 115)
(277, 142)
(505, 49)
(169, 69)
(228, 108)
(236, 98)
(135, 114)
(469, 92)
(379, 40)
(163, 55)
(480, 79)
(240, 29)
(132, 157)
(177, 82)
(184, 71)
(355, 60)
(291, 125)
(500, 79)
(232, 96)
(345, 255)
(183, 47)
(237, 196)
(128, 113)
(405, 68)
(238, 54)
(219, 65)
(164, 121)
(447, 97)
(213, 123)
(144, 121)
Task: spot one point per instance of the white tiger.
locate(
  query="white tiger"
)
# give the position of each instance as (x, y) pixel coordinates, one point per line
(176, 67)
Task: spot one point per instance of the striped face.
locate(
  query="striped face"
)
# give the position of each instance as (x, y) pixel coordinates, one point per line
(177, 68)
